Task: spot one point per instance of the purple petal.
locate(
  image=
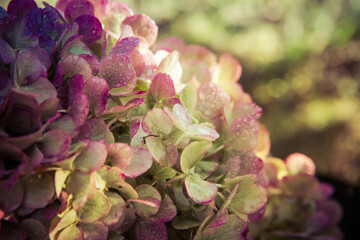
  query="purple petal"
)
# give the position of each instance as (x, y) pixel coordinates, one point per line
(76, 84)
(143, 26)
(43, 88)
(119, 110)
(117, 70)
(12, 231)
(28, 68)
(67, 124)
(55, 143)
(134, 126)
(95, 230)
(20, 8)
(167, 210)
(77, 8)
(94, 129)
(162, 87)
(258, 214)
(38, 191)
(11, 198)
(73, 65)
(93, 61)
(89, 27)
(35, 159)
(125, 46)
(247, 109)
(79, 108)
(34, 228)
(150, 230)
(96, 90)
(43, 55)
(250, 163)
(7, 53)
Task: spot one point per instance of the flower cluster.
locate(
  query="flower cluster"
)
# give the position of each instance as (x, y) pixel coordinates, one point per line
(107, 134)
(298, 204)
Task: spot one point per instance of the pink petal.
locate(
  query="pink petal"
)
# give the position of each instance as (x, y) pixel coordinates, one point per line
(96, 90)
(117, 70)
(77, 8)
(162, 87)
(143, 26)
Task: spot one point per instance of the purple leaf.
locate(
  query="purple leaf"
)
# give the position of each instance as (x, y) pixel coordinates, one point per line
(96, 90)
(117, 70)
(67, 124)
(120, 155)
(125, 46)
(38, 191)
(55, 143)
(143, 26)
(77, 8)
(93, 61)
(34, 229)
(42, 87)
(91, 158)
(89, 27)
(20, 8)
(150, 230)
(141, 162)
(162, 87)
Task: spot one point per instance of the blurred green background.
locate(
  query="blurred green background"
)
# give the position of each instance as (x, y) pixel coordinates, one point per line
(301, 64)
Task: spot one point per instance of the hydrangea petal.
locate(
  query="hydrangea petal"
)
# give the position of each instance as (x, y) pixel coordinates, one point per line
(192, 154)
(141, 162)
(151, 125)
(138, 62)
(38, 191)
(143, 26)
(117, 210)
(125, 46)
(91, 158)
(43, 87)
(11, 198)
(73, 64)
(90, 28)
(95, 208)
(162, 87)
(28, 68)
(230, 69)
(19, 8)
(55, 143)
(96, 90)
(71, 232)
(299, 163)
(77, 8)
(211, 99)
(243, 134)
(79, 108)
(199, 190)
(120, 155)
(167, 210)
(117, 70)
(151, 230)
(151, 200)
(201, 132)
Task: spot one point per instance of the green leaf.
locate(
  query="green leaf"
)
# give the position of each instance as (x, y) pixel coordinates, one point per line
(82, 186)
(60, 178)
(95, 208)
(149, 200)
(117, 210)
(72, 232)
(234, 229)
(244, 180)
(188, 96)
(156, 147)
(165, 173)
(248, 199)
(156, 121)
(205, 168)
(199, 190)
(68, 218)
(91, 158)
(192, 154)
